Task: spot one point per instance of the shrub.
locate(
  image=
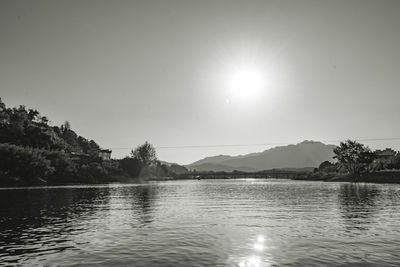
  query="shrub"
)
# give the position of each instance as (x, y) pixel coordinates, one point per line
(23, 165)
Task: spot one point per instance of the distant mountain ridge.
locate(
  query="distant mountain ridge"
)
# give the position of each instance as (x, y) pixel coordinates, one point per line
(306, 154)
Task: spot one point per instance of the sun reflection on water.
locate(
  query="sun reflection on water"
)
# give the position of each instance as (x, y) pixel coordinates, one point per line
(252, 261)
(258, 246)
(257, 260)
(260, 239)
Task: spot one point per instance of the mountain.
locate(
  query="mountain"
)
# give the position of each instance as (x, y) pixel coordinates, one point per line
(174, 167)
(301, 155)
(214, 159)
(217, 167)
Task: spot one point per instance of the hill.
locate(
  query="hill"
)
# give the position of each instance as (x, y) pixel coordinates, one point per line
(33, 152)
(305, 154)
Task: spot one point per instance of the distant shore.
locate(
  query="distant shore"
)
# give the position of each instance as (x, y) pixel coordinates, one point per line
(383, 177)
(372, 178)
(387, 177)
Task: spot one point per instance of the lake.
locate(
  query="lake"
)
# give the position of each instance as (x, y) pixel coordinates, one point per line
(242, 223)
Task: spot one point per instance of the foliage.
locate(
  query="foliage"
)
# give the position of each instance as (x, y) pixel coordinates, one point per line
(395, 162)
(93, 172)
(33, 152)
(386, 163)
(65, 170)
(131, 166)
(19, 165)
(145, 154)
(26, 127)
(354, 157)
(143, 163)
(327, 167)
(29, 166)
(174, 169)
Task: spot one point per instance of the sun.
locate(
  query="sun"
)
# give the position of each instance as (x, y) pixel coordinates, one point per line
(245, 83)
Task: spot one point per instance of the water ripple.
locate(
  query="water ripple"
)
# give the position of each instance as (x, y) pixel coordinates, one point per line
(202, 223)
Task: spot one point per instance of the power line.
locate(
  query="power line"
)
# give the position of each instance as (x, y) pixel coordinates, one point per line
(260, 144)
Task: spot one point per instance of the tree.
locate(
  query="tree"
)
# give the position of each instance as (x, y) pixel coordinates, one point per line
(354, 157)
(327, 166)
(66, 126)
(4, 117)
(20, 165)
(2, 105)
(145, 154)
(130, 166)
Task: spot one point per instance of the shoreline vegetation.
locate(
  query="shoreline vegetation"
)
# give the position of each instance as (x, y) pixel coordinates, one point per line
(34, 153)
(353, 162)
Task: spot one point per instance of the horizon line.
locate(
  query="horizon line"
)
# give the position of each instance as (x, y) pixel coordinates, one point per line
(263, 144)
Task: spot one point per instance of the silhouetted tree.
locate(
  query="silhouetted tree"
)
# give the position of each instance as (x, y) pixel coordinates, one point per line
(66, 126)
(145, 154)
(395, 163)
(354, 157)
(4, 117)
(325, 164)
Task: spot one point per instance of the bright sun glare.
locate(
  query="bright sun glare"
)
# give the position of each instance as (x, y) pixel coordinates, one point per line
(245, 83)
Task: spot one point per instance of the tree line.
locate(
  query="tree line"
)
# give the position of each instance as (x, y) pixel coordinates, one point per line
(356, 160)
(34, 152)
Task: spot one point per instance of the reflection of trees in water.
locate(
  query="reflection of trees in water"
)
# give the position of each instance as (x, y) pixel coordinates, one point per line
(45, 216)
(143, 202)
(358, 204)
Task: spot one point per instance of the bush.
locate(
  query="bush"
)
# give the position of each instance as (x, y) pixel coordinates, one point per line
(20, 165)
(65, 168)
(131, 166)
(92, 173)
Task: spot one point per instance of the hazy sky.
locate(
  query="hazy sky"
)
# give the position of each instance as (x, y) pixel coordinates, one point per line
(123, 72)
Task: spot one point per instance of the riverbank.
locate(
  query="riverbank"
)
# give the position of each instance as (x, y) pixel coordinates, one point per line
(113, 179)
(387, 177)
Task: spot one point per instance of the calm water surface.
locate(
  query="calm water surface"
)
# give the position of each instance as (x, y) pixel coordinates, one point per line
(202, 223)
